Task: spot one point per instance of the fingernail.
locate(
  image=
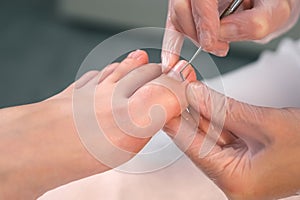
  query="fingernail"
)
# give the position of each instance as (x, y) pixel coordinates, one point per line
(228, 31)
(136, 54)
(175, 75)
(180, 65)
(175, 71)
(220, 53)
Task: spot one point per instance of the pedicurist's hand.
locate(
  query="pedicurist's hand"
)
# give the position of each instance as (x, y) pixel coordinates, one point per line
(258, 153)
(257, 20)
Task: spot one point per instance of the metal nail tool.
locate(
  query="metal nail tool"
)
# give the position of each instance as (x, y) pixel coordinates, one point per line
(233, 6)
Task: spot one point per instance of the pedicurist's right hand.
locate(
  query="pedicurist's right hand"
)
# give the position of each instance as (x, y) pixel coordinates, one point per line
(258, 154)
(257, 20)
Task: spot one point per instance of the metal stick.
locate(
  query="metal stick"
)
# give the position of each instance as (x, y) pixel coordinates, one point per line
(233, 6)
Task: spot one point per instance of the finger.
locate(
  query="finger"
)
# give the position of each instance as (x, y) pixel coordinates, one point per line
(242, 119)
(172, 42)
(107, 71)
(147, 104)
(183, 17)
(102, 75)
(137, 78)
(216, 161)
(85, 79)
(206, 18)
(162, 99)
(183, 130)
(176, 88)
(187, 74)
(134, 59)
(220, 48)
(256, 23)
(206, 126)
(92, 74)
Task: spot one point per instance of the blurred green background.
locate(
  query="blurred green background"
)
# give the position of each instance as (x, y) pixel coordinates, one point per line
(43, 42)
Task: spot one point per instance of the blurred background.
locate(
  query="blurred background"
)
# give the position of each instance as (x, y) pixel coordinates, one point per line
(43, 42)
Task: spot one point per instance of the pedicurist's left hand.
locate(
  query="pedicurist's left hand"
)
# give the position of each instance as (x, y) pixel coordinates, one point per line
(48, 144)
(258, 153)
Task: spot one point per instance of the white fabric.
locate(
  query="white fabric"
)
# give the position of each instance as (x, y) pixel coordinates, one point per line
(272, 81)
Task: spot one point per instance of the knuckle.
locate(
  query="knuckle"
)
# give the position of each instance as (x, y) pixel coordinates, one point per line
(266, 22)
(286, 9)
(261, 27)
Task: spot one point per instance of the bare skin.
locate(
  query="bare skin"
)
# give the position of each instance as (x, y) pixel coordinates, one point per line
(40, 148)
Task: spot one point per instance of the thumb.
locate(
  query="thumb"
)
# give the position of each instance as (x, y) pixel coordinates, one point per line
(256, 23)
(245, 121)
(172, 44)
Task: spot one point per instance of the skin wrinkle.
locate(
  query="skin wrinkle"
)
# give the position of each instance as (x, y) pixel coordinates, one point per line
(239, 113)
(240, 163)
(219, 169)
(236, 166)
